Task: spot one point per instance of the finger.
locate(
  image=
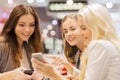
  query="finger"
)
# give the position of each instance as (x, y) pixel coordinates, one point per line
(34, 75)
(22, 69)
(52, 56)
(55, 61)
(37, 61)
(58, 61)
(37, 64)
(22, 73)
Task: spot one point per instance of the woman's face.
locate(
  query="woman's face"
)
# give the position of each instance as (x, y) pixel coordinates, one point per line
(25, 27)
(76, 35)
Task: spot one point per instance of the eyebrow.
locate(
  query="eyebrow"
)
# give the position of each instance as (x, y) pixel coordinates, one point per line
(69, 27)
(21, 22)
(24, 22)
(82, 25)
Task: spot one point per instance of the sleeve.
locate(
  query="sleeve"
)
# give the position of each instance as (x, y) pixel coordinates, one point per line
(98, 61)
(3, 57)
(1, 54)
(76, 73)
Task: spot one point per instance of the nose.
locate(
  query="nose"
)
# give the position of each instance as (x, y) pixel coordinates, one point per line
(27, 28)
(69, 33)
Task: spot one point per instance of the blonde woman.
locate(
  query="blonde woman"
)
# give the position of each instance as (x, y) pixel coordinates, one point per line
(92, 32)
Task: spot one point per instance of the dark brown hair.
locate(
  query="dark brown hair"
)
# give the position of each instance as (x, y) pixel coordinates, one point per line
(34, 43)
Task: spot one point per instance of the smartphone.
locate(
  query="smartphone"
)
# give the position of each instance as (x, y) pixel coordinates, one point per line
(39, 56)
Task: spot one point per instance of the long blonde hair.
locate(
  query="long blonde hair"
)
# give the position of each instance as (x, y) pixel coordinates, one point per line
(70, 51)
(98, 19)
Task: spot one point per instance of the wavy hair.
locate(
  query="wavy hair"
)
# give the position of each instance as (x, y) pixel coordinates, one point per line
(70, 51)
(98, 19)
(8, 32)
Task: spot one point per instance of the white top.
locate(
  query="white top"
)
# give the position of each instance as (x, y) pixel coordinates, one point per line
(103, 61)
(24, 61)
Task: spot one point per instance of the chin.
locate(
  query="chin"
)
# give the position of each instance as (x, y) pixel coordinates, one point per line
(25, 39)
(72, 44)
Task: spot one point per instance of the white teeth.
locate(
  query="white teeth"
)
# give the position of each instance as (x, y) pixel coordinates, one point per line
(70, 39)
(26, 34)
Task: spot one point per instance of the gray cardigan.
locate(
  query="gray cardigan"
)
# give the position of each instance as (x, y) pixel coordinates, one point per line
(6, 60)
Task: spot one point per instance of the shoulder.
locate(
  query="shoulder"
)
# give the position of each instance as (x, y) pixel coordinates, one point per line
(101, 43)
(100, 51)
(102, 46)
(2, 42)
(1, 39)
(3, 46)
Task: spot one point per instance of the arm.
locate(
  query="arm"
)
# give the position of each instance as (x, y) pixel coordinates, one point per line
(7, 75)
(7, 69)
(15, 74)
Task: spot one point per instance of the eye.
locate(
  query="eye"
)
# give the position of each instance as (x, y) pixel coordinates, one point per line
(32, 25)
(83, 27)
(73, 29)
(65, 31)
(22, 25)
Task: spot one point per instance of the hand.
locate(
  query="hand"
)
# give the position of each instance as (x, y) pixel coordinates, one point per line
(57, 60)
(16, 74)
(61, 63)
(36, 76)
(45, 68)
(22, 70)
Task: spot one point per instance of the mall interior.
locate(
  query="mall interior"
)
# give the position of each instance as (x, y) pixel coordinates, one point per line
(51, 13)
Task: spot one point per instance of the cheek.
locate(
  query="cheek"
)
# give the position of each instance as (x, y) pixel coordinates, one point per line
(16, 30)
(65, 37)
(78, 33)
(32, 31)
(90, 35)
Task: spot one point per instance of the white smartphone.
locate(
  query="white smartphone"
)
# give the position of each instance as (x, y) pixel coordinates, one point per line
(39, 56)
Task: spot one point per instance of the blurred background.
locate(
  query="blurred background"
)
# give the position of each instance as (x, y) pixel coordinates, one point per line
(51, 12)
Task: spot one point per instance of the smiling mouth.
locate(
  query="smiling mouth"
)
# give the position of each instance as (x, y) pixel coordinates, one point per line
(24, 35)
(71, 39)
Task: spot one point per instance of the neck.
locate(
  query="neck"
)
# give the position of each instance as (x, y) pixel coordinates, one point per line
(81, 47)
(20, 42)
